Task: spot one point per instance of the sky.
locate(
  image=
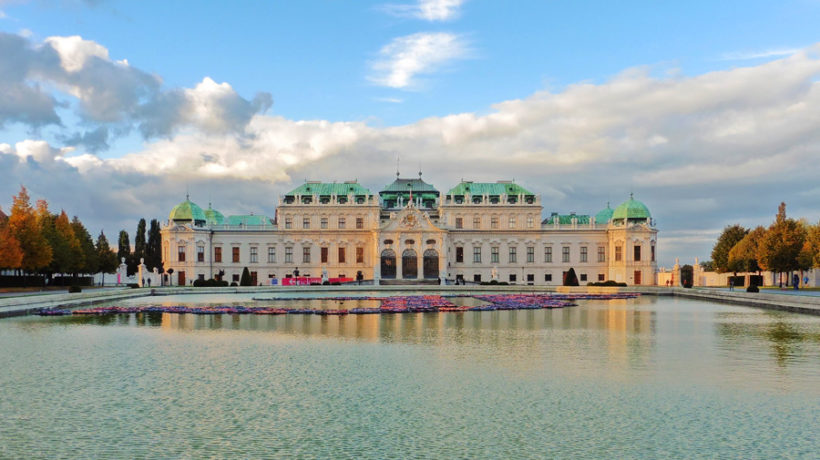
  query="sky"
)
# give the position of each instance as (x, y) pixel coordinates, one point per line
(707, 111)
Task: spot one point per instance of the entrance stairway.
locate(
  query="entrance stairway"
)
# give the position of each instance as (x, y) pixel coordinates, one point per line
(429, 282)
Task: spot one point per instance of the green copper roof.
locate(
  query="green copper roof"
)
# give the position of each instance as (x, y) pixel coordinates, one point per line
(488, 188)
(566, 219)
(603, 215)
(631, 209)
(406, 185)
(213, 216)
(187, 211)
(248, 220)
(321, 188)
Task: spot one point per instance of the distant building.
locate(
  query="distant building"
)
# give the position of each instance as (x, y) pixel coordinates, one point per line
(410, 232)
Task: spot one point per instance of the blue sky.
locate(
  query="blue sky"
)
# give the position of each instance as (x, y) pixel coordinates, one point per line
(451, 85)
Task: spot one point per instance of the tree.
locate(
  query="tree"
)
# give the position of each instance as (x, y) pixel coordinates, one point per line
(153, 250)
(708, 266)
(571, 279)
(781, 245)
(72, 259)
(743, 256)
(106, 259)
(23, 224)
(731, 235)
(11, 254)
(810, 253)
(139, 244)
(89, 252)
(124, 250)
(245, 280)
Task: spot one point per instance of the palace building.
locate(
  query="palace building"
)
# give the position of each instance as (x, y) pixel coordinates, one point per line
(411, 233)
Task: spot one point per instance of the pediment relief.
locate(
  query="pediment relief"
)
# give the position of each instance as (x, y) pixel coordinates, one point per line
(409, 219)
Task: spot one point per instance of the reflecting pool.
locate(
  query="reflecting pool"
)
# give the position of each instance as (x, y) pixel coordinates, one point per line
(647, 377)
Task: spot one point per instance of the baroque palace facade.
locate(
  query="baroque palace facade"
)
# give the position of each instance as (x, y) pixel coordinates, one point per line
(475, 232)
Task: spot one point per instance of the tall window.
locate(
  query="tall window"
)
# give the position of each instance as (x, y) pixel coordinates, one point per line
(360, 223)
(548, 254)
(512, 222)
(584, 255)
(359, 255)
(476, 254)
(271, 255)
(513, 254)
(459, 254)
(341, 255)
(653, 252)
(459, 222)
(235, 254)
(565, 254)
(494, 254)
(341, 222)
(601, 254)
(288, 222)
(323, 222)
(200, 253)
(288, 255)
(530, 222)
(323, 255)
(530, 254)
(637, 253)
(619, 253)
(254, 255)
(306, 222)
(306, 255)
(218, 255)
(476, 222)
(493, 222)
(181, 253)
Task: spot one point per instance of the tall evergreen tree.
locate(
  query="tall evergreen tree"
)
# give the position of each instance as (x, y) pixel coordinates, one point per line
(153, 250)
(86, 244)
(124, 250)
(245, 279)
(106, 258)
(139, 243)
(731, 235)
(23, 224)
(782, 244)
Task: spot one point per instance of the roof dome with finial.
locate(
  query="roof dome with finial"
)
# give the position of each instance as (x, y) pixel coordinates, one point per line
(187, 211)
(604, 215)
(631, 210)
(213, 216)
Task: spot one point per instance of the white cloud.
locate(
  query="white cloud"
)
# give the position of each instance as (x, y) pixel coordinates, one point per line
(74, 51)
(422, 53)
(428, 10)
(761, 54)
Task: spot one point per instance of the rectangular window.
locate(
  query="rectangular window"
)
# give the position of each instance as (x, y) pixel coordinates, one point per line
(306, 255)
(530, 279)
(323, 222)
(494, 254)
(459, 222)
(512, 222)
(548, 254)
(583, 277)
(360, 255)
(565, 254)
(619, 253)
(359, 223)
(323, 255)
(181, 253)
(476, 222)
(637, 276)
(341, 255)
(288, 222)
(584, 255)
(341, 222)
(254, 255)
(513, 254)
(601, 254)
(512, 278)
(459, 255)
(200, 253)
(530, 222)
(530, 254)
(235, 254)
(637, 253)
(493, 222)
(254, 279)
(271, 255)
(653, 252)
(548, 277)
(218, 255)
(476, 254)
(235, 278)
(476, 278)
(306, 222)
(600, 277)
(289, 255)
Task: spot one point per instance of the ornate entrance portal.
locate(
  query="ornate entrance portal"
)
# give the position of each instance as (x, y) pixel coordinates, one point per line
(388, 268)
(409, 264)
(430, 264)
